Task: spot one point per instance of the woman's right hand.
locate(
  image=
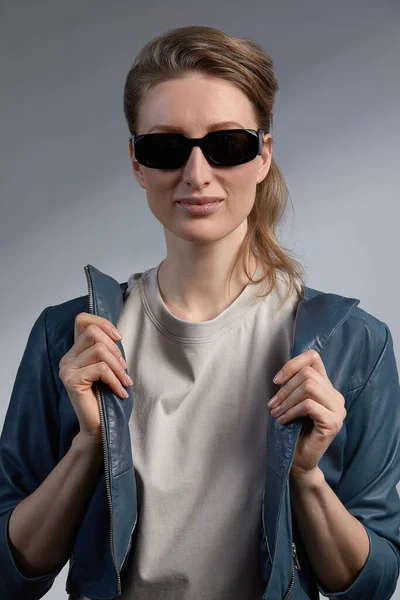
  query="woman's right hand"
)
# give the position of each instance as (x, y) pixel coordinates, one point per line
(94, 356)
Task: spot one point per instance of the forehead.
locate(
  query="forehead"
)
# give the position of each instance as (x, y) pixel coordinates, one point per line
(181, 129)
(195, 105)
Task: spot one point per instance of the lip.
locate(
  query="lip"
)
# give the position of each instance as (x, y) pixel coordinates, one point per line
(200, 209)
(205, 200)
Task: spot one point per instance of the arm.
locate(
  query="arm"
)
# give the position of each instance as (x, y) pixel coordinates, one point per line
(38, 518)
(365, 501)
(336, 542)
(42, 528)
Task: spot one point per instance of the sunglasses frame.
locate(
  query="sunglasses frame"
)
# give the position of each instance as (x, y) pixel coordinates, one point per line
(191, 142)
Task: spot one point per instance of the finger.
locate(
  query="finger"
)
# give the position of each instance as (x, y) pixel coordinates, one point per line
(308, 358)
(83, 320)
(306, 384)
(100, 353)
(328, 423)
(83, 378)
(91, 335)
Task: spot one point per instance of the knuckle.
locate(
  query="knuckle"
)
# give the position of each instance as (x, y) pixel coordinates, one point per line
(339, 425)
(66, 377)
(307, 371)
(308, 404)
(100, 349)
(103, 367)
(91, 331)
(309, 386)
(80, 318)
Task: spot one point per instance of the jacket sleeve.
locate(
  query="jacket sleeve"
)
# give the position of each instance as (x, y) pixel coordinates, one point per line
(28, 453)
(371, 471)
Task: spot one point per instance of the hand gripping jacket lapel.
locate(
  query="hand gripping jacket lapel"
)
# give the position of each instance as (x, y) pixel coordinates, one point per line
(316, 319)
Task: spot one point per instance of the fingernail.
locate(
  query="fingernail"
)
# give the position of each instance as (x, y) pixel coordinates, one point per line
(278, 377)
(116, 334)
(272, 401)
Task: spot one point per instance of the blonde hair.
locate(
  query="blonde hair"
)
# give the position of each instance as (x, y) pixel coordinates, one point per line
(185, 51)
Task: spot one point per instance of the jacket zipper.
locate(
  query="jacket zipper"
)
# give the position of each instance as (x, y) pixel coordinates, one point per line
(295, 565)
(107, 477)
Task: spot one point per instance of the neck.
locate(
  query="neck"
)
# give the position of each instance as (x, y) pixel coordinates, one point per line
(194, 285)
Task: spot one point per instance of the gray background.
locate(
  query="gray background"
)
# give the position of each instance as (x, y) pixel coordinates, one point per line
(69, 197)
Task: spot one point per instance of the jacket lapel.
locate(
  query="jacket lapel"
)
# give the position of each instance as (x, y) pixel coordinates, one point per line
(317, 317)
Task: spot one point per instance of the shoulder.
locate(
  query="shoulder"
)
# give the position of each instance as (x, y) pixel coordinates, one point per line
(359, 339)
(359, 321)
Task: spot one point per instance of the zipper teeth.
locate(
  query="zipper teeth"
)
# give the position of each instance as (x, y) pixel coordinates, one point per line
(91, 310)
(295, 565)
(262, 512)
(295, 558)
(290, 586)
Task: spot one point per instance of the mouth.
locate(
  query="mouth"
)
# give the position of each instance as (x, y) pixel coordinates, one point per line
(206, 208)
(199, 201)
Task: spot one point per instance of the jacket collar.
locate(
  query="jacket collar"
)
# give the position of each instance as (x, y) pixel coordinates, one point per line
(318, 313)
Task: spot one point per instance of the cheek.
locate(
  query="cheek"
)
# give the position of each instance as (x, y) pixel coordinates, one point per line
(160, 191)
(241, 194)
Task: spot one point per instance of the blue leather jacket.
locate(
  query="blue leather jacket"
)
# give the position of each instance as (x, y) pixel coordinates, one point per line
(362, 464)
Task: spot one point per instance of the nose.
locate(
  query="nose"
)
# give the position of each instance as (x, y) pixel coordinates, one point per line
(197, 169)
(197, 159)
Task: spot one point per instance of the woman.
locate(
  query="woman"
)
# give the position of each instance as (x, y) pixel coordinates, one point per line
(213, 478)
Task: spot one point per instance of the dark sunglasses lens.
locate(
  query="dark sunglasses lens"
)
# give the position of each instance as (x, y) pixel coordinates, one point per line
(161, 151)
(231, 148)
(171, 151)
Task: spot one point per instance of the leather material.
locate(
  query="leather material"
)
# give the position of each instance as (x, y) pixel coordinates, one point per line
(362, 464)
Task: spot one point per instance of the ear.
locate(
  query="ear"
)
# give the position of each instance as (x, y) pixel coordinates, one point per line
(266, 158)
(137, 168)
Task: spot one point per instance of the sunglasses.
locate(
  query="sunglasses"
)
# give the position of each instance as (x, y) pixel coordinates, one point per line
(223, 148)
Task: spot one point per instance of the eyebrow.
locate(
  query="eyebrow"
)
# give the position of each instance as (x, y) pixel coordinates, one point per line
(179, 129)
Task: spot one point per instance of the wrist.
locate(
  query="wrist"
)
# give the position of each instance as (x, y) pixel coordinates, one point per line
(89, 443)
(307, 479)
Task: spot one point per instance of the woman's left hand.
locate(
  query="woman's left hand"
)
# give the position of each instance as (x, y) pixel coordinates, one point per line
(309, 393)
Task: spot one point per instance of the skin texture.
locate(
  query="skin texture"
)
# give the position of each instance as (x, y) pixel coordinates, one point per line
(200, 250)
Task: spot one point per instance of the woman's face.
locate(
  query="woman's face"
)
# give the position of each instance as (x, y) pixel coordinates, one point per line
(195, 105)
